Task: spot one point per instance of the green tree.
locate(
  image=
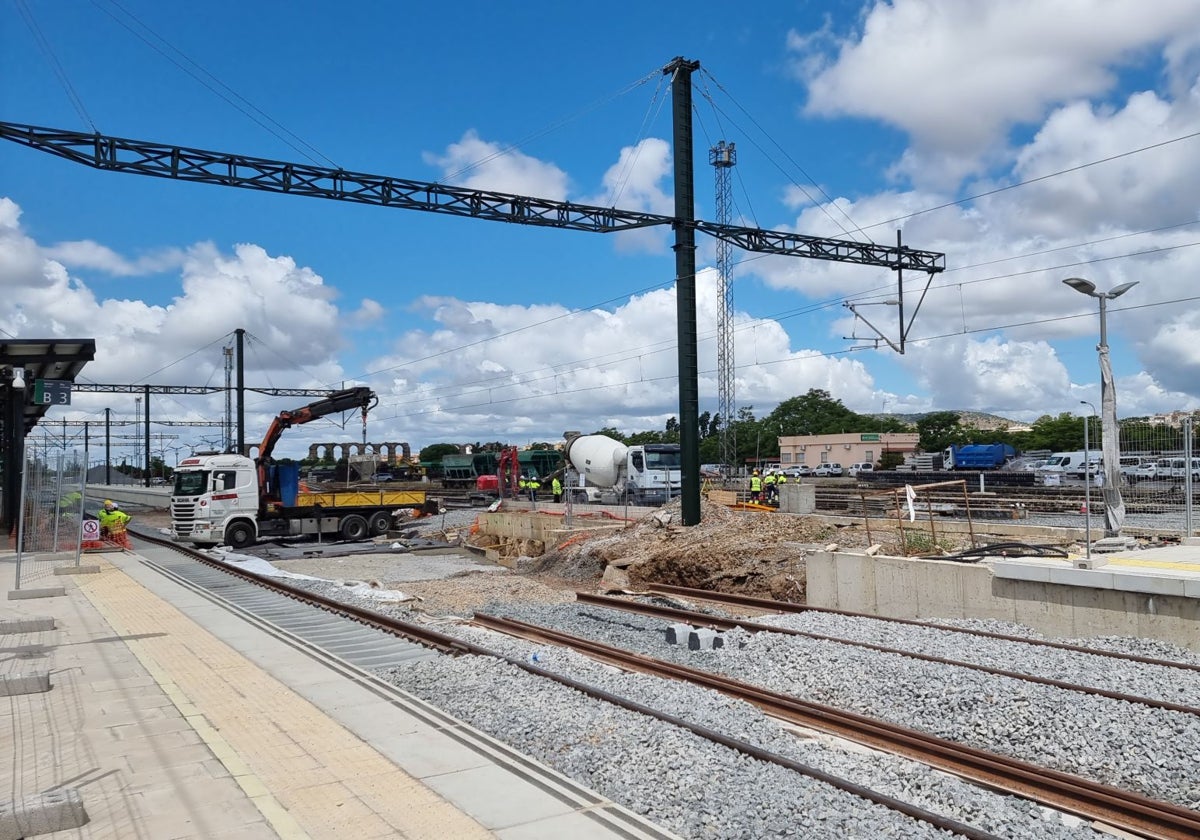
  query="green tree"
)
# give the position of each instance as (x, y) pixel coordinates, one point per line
(1058, 434)
(940, 429)
(435, 451)
(816, 413)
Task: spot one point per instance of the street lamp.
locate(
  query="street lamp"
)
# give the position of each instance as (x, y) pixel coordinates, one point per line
(1087, 479)
(1114, 507)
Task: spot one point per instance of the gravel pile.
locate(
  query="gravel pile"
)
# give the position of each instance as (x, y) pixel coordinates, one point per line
(689, 784)
(1130, 746)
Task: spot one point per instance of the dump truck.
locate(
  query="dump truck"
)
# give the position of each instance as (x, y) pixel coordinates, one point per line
(239, 500)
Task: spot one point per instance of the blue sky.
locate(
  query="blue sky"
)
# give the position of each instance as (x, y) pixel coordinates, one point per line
(845, 115)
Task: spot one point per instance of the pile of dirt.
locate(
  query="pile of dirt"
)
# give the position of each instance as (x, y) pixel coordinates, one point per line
(748, 552)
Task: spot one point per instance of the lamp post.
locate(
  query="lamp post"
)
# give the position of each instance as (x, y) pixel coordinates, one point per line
(1114, 507)
(1087, 480)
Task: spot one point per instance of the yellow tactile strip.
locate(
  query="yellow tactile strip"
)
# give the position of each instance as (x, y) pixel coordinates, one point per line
(308, 775)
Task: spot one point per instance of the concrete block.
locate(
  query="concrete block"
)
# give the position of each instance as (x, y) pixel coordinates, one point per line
(1105, 612)
(855, 582)
(76, 570)
(33, 683)
(677, 634)
(58, 810)
(705, 638)
(1191, 587)
(45, 592)
(895, 588)
(1082, 577)
(1150, 584)
(821, 580)
(33, 624)
(939, 589)
(1008, 570)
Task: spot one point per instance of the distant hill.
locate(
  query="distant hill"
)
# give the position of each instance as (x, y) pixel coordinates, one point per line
(974, 419)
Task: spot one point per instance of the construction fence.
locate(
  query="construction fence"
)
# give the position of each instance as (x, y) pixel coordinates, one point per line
(57, 523)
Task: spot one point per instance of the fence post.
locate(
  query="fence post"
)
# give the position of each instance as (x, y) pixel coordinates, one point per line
(1187, 477)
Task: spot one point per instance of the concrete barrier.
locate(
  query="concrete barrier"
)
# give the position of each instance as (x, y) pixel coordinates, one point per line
(158, 498)
(1059, 602)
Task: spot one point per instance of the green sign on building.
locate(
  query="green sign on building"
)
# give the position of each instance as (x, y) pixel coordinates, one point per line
(871, 438)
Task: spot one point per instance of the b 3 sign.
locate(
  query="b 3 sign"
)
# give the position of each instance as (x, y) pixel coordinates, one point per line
(52, 392)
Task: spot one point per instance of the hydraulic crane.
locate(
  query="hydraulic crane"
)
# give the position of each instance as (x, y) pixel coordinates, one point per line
(233, 170)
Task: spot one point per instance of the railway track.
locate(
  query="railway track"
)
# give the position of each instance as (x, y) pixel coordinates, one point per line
(699, 619)
(374, 641)
(1121, 809)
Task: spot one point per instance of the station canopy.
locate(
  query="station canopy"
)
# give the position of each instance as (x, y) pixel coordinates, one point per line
(52, 359)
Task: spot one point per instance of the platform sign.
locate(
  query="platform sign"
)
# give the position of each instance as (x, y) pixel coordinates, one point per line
(51, 392)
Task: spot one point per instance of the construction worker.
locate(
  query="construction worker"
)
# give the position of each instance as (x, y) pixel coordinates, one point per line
(112, 523)
(556, 489)
(530, 485)
(769, 485)
(780, 479)
(755, 487)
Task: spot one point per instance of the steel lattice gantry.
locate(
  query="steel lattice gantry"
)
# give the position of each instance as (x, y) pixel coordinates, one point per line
(181, 163)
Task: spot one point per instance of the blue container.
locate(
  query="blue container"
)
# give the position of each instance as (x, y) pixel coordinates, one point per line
(288, 478)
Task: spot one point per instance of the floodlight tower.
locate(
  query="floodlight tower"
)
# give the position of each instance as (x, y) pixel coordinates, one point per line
(723, 157)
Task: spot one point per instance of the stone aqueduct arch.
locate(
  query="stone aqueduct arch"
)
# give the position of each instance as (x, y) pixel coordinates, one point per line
(336, 451)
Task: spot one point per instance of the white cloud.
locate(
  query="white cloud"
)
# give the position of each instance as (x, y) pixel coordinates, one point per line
(483, 165)
(640, 180)
(956, 75)
(88, 254)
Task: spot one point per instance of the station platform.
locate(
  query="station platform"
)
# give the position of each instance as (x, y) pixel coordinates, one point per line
(169, 716)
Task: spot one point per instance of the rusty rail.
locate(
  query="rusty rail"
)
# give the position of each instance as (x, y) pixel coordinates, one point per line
(1091, 800)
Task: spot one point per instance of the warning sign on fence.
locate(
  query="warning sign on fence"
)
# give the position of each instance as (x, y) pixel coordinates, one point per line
(91, 529)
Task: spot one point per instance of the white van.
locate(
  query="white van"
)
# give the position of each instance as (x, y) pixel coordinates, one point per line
(862, 467)
(1062, 462)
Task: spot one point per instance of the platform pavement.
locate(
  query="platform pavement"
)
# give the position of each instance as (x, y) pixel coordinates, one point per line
(168, 731)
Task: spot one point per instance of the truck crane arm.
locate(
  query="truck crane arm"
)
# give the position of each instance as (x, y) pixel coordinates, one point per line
(344, 400)
(360, 397)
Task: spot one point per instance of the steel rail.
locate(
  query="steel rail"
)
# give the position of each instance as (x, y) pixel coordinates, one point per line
(1091, 800)
(716, 622)
(769, 605)
(454, 646)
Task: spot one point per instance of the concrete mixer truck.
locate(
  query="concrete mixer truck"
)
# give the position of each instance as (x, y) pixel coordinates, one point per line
(640, 475)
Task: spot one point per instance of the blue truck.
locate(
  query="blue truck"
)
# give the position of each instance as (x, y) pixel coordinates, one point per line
(977, 456)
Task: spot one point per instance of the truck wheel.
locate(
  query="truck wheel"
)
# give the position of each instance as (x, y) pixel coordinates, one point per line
(379, 523)
(353, 527)
(239, 535)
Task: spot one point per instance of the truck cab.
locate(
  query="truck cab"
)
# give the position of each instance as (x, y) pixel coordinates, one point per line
(211, 493)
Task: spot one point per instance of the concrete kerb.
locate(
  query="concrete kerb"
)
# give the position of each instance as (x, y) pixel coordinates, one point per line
(58, 810)
(44, 592)
(12, 685)
(30, 624)
(76, 570)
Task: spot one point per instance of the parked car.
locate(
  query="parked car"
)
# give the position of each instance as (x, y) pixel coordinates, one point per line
(799, 471)
(1144, 471)
(835, 469)
(862, 467)
(823, 471)
(381, 476)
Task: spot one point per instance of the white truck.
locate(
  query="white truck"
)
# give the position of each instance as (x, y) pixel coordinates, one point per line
(238, 500)
(648, 474)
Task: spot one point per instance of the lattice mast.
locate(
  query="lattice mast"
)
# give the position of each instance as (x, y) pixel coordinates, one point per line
(227, 436)
(723, 157)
